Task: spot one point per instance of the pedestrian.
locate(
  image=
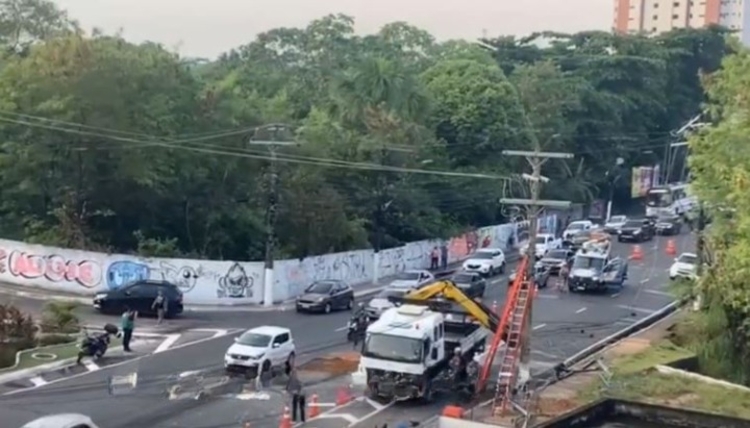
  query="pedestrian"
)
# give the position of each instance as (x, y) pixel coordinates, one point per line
(444, 256)
(127, 325)
(434, 258)
(562, 284)
(160, 306)
(294, 388)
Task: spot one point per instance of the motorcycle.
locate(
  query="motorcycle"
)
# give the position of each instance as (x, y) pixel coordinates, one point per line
(356, 332)
(96, 345)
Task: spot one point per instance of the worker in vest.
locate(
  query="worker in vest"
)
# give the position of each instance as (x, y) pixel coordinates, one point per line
(434, 258)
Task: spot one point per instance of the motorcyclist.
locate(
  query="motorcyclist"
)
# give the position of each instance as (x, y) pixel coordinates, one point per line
(360, 319)
(359, 314)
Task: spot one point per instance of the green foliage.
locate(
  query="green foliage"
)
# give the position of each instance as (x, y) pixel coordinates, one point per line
(720, 165)
(113, 146)
(59, 317)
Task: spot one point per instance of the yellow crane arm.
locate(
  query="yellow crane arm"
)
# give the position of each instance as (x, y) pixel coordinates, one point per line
(449, 291)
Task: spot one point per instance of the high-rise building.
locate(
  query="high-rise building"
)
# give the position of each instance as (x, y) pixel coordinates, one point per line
(656, 16)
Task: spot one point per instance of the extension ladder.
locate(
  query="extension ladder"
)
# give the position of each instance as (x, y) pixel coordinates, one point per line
(509, 364)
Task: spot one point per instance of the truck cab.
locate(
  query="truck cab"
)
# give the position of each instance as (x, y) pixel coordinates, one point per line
(594, 271)
(409, 347)
(544, 243)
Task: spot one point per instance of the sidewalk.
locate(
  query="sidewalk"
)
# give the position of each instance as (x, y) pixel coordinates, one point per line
(360, 292)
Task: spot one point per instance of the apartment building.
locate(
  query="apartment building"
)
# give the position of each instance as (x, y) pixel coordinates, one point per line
(656, 16)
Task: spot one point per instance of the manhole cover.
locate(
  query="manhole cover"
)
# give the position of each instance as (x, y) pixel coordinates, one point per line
(43, 356)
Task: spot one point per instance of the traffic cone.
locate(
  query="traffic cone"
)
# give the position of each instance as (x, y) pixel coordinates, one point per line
(286, 419)
(314, 408)
(637, 253)
(343, 395)
(454, 412)
(671, 248)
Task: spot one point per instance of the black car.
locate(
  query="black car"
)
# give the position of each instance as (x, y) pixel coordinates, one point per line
(554, 260)
(326, 296)
(638, 230)
(668, 225)
(472, 284)
(139, 296)
(541, 276)
(576, 241)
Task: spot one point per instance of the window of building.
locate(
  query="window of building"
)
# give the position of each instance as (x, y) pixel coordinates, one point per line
(676, 4)
(655, 17)
(656, 5)
(675, 16)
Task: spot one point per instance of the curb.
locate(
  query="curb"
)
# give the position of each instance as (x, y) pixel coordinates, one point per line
(15, 375)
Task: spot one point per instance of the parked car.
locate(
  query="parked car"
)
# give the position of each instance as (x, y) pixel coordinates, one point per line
(378, 304)
(541, 276)
(412, 279)
(685, 266)
(472, 284)
(576, 227)
(139, 296)
(266, 348)
(615, 223)
(556, 259)
(638, 230)
(668, 225)
(326, 296)
(62, 420)
(544, 242)
(486, 261)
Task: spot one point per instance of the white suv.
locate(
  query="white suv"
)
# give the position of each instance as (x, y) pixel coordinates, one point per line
(264, 347)
(486, 261)
(685, 266)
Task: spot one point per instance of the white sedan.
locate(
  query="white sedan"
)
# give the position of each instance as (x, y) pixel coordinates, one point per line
(685, 266)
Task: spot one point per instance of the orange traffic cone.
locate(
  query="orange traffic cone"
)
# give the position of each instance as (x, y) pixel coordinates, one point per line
(343, 396)
(286, 419)
(671, 248)
(637, 253)
(314, 408)
(453, 412)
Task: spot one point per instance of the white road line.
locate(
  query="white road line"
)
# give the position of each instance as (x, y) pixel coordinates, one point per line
(346, 327)
(91, 366)
(374, 404)
(167, 343)
(326, 404)
(345, 416)
(544, 354)
(658, 293)
(547, 296)
(581, 310)
(219, 333)
(636, 309)
(537, 327)
(38, 381)
(614, 296)
(643, 281)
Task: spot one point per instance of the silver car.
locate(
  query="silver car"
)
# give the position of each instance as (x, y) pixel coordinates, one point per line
(380, 302)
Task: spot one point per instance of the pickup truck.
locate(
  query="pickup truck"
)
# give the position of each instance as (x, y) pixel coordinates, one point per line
(544, 242)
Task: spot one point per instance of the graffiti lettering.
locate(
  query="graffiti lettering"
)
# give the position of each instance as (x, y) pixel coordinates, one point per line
(236, 283)
(184, 277)
(344, 266)
(125, 272)
(54, 268)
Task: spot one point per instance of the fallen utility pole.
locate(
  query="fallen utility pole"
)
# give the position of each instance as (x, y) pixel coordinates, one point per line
(534, 207)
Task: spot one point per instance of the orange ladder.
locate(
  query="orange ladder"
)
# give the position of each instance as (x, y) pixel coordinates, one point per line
(506, 379)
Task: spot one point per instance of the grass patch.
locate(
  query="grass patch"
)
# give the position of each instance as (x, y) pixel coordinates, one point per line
(62, 351)
(635, 379)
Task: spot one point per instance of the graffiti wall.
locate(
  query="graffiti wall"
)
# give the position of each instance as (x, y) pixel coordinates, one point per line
(83, 272)
(230, 282)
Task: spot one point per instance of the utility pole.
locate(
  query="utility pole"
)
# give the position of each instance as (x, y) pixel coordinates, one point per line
(534, 207)
(700, 252)
(272, 206)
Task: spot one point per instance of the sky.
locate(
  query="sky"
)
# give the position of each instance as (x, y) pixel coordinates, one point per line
(206, 28)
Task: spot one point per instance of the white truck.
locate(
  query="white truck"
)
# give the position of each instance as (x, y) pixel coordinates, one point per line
(407, 351)
(544, 242)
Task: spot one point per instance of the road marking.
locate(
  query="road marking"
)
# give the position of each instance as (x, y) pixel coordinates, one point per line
(218, 332)
(346, 327)
(658, 293)
(374, 404)
(167, 343)
(636, 309)
(614, 296)
(537, 327)
(91, 366)
(345, 416)
(547, 296)
(643, 281)
(121, 363)
(581, 310)
(544, 354)
(38, 381)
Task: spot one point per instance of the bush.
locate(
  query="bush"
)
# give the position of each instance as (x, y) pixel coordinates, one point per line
(15, 326)
(59, 317)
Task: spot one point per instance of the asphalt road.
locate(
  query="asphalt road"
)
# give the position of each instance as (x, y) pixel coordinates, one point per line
(563, 324)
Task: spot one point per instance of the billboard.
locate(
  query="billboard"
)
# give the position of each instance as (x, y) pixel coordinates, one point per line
(642, 179)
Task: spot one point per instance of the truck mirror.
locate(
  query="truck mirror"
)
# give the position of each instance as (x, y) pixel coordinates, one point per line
(434, 354)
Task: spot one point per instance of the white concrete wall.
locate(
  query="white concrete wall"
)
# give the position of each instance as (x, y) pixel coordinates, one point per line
(225, 282)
